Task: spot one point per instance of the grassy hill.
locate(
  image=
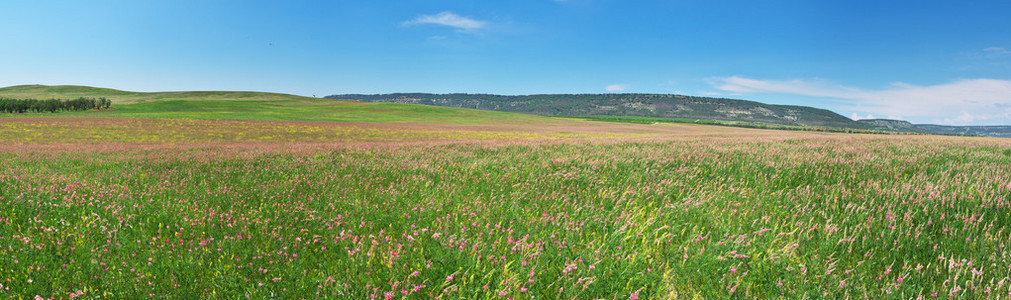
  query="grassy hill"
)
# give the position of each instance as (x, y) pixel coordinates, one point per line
(227, 105)
(632, 105)
(125, 97)
(473, 109)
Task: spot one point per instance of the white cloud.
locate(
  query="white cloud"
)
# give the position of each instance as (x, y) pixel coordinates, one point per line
(801, 87)
(975, 100)
(964, 117)
(616, 87)
(461, 23)
(855, 116)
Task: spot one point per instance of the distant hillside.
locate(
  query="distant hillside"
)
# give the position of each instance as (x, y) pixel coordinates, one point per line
(639, 105)
(227, 105)
(890, 125)
(122, 97)
(903, 126)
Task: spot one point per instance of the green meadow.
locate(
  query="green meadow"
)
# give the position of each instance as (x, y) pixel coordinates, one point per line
(313, 110)
(261, 106)
(396, 201)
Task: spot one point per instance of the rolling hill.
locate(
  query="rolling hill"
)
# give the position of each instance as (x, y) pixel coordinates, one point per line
(473, 109)
(229, 105)
(126, 97)
(637, 105)
(675, 108)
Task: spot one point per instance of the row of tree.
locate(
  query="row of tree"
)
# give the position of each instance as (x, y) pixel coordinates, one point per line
(11, 105)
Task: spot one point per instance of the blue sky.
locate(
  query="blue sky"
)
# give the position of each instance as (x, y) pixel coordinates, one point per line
(945, 62)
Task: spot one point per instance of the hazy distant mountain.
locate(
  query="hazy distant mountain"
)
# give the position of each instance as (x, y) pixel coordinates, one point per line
(898, 125)
(643, 105)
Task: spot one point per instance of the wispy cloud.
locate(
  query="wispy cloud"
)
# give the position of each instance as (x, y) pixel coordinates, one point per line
(449, 19)
(616, 87)
(801, 87)
(994, 52)
(959, 102)
(997, 51)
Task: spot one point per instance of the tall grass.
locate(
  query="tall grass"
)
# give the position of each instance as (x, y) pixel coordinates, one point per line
(816, 217)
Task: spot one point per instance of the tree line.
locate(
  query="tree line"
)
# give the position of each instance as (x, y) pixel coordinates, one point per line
(19, 106)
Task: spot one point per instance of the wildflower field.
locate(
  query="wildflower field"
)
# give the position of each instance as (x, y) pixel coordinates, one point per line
(167, 208)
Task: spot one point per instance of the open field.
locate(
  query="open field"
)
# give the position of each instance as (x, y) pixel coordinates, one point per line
(71, 132)
(761, 213)
(189, 204)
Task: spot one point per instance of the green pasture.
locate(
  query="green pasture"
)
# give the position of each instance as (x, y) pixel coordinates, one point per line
(262, 106)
